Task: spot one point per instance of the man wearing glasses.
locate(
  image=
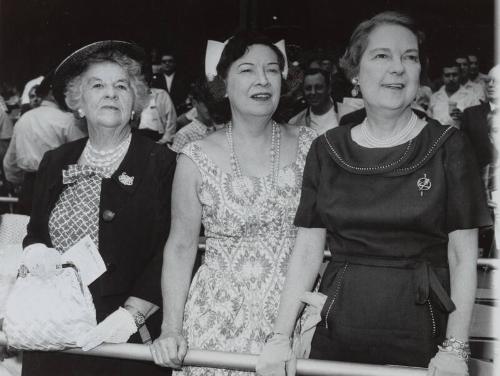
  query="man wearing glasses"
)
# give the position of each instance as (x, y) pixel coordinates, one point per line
(172, 81)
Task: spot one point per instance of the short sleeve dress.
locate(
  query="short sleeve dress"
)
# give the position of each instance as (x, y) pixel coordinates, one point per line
(388, 213)
(234, 296)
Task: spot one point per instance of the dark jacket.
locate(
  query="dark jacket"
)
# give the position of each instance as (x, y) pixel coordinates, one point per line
(134, 223)
(476, 127)
(178, 91)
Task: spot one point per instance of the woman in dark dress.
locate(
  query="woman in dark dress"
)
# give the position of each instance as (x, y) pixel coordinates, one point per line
(114, 187)
(401, 201)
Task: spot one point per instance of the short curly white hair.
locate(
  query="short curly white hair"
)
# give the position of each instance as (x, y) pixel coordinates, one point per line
(74, 88)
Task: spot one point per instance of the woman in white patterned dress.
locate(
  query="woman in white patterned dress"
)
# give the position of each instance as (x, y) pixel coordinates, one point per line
(243, 183)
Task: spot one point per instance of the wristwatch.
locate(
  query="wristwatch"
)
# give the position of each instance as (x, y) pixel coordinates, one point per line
(139, 319)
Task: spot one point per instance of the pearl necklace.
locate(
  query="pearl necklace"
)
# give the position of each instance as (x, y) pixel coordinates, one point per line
(275, 153)
(106, 159)
(396, 139)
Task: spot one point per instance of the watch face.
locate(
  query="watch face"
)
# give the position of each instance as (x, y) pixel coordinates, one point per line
(139, 319)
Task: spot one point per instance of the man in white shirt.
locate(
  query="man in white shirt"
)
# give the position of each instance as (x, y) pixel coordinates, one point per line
(37, 131)
(320, 114)
(479, 125)
(158, 119)
(447, 104)
(474, 74)
(477, 89)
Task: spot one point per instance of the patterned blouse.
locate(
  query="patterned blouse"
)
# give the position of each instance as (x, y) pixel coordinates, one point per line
(194, 131)
(76, 213)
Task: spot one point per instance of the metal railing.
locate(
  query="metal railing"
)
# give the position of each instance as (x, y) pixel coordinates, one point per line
(491, 263)
(246, 362)
(9, 200)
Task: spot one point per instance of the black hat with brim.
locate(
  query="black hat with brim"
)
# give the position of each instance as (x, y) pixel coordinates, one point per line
(76, 63)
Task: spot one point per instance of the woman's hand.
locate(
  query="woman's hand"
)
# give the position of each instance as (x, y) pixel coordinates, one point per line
(41, 260)
(447, 363)
(169, 349)
(277, 357)
(116, 328)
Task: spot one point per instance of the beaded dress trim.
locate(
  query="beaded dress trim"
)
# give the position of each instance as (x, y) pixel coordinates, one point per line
(414, 153)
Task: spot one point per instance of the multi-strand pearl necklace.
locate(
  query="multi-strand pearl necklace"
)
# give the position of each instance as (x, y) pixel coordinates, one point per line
(106, 159)
(396, 139)
(275, 153)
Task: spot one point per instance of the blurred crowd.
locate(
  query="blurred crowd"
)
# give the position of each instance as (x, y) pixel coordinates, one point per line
(183, 108)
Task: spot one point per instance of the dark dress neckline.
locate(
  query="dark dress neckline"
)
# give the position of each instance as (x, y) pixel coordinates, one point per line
(395, 161)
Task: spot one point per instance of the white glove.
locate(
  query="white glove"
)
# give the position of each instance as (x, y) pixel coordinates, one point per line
(116, 328)
(447, 363)
(310, 318)
(41, 260)
(312, 314)
(277, 358)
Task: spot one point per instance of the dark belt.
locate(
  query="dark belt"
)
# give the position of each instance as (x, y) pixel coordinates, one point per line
(426, 280)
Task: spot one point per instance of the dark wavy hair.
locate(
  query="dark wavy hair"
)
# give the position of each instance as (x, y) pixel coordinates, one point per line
(359, 40)
(235, 48)
(238, 46)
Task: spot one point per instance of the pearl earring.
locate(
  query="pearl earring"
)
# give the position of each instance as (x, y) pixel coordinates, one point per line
(81, 114)
(132, 115)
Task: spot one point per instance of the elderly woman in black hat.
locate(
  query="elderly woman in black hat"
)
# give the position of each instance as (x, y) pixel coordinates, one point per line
(114, 187)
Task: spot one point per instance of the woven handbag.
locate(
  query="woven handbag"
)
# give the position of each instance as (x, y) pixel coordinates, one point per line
(48, 313)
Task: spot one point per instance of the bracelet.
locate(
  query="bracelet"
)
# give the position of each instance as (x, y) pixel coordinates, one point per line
(273, 334)
(461, 348)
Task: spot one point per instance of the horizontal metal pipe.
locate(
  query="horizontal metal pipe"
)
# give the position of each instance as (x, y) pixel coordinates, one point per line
(246, 362)
(492, 263)
(11, 200)
(487, 262)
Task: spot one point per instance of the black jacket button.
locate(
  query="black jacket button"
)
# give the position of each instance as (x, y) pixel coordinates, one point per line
(108, 215)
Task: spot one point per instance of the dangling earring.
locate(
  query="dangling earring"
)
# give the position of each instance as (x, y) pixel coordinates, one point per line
(81, 114)
(355, 89)
(132, 114)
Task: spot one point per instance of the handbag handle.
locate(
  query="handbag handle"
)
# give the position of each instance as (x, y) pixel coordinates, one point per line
(24, 271)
